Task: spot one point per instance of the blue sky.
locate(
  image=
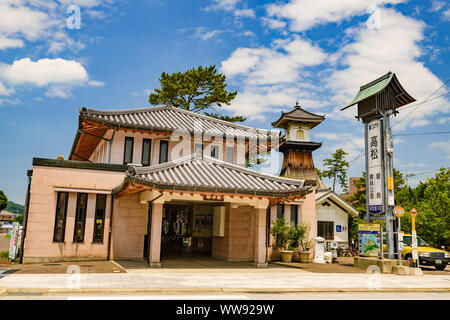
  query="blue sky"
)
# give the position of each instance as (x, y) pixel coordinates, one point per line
(273, 53)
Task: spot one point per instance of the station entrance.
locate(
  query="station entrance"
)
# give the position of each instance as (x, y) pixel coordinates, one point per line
(187, 230)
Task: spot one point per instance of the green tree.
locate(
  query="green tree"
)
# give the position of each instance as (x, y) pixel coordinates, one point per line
(19, 219)
(3, 201)
(433, 209)
(195, 90)
(430, 198)
(336, 169)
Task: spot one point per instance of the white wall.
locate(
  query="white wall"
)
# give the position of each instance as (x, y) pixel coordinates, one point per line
(176, 151)
(335, 214)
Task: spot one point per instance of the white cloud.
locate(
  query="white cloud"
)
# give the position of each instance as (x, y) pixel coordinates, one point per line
(85, 3)
(58, 92)
(446, 14)
(444, 120)
(41, 20)
(226, 5)
(244, 13)
(270, 77)
(95, 83)
(278, 64)
(443, 146)
(6, 43)
(351, 143)
(204, 33)
(58, 74)
(18, 19)
(273, 23)
(5, 91)
(305, 14)
(231, 6)
(247, 33)
(43, 72)
(437, 5)
(359, 64)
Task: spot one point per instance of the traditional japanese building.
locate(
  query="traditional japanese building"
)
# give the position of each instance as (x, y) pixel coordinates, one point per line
(150, 183)
(297, 146)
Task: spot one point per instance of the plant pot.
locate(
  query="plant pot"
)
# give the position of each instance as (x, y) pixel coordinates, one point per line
(303, 257)
(286, 255)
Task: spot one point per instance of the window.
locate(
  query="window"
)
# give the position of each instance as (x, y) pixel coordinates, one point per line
(230, 154)
(215, 152)
(163, 151)
(294, 216)
(80, 217)
(199, 148)
(300, 135)
(99, 222)
(128, 150)
(280, 211)
(146, 151)
(60, 219)
(325, 229)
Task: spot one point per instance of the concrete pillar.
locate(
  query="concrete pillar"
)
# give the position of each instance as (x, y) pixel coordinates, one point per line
(155, 235)
(287, 213)
(260, 237)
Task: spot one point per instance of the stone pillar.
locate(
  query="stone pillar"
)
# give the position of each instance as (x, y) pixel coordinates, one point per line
(155, 235)
(260, 237)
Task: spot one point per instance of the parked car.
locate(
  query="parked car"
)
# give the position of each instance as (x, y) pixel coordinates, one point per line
(428, 256)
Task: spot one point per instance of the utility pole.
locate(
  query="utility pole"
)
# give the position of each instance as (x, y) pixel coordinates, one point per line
(389, 201)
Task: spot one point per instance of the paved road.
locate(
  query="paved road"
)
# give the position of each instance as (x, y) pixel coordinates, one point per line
(241, 296)
(159, 280)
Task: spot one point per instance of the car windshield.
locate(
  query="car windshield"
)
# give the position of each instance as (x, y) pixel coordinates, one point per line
(408, 239)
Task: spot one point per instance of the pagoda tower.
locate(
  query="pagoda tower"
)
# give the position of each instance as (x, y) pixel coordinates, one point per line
(296, 145)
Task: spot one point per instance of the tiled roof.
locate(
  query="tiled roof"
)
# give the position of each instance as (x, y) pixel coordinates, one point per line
(298, 114)
(322, 194)
(376, 86)
(168, 118)
(201, 173)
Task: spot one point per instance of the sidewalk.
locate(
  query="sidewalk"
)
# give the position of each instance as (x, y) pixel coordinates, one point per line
(246, 281)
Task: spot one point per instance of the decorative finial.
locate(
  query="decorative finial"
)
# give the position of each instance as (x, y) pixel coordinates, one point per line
(297, 105)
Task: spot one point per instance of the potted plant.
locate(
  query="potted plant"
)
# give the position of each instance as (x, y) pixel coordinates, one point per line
(281, 232)
(304, 243)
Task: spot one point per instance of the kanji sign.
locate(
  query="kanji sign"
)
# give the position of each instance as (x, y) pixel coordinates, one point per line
(374, 178)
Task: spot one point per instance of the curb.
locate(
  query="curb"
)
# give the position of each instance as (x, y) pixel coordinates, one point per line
(50, 291)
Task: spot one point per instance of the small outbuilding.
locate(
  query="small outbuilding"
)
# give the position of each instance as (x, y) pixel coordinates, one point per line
(332, 217)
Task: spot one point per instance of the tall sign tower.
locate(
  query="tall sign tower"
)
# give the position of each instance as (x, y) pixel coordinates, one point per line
(297, 146)
(377, 101)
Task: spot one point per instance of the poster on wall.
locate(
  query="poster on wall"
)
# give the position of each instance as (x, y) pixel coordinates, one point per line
(369, 239)
(203, 224)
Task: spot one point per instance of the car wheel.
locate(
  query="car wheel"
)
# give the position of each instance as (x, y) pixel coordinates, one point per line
(441, 267)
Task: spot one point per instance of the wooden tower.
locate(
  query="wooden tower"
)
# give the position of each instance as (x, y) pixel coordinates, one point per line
(296, 145)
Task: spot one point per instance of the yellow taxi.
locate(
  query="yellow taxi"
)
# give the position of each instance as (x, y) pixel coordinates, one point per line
(428, 256)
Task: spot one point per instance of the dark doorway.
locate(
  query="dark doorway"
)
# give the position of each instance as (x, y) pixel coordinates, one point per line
(186, 230)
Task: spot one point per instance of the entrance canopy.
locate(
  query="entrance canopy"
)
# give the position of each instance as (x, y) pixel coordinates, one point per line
(197, 173)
